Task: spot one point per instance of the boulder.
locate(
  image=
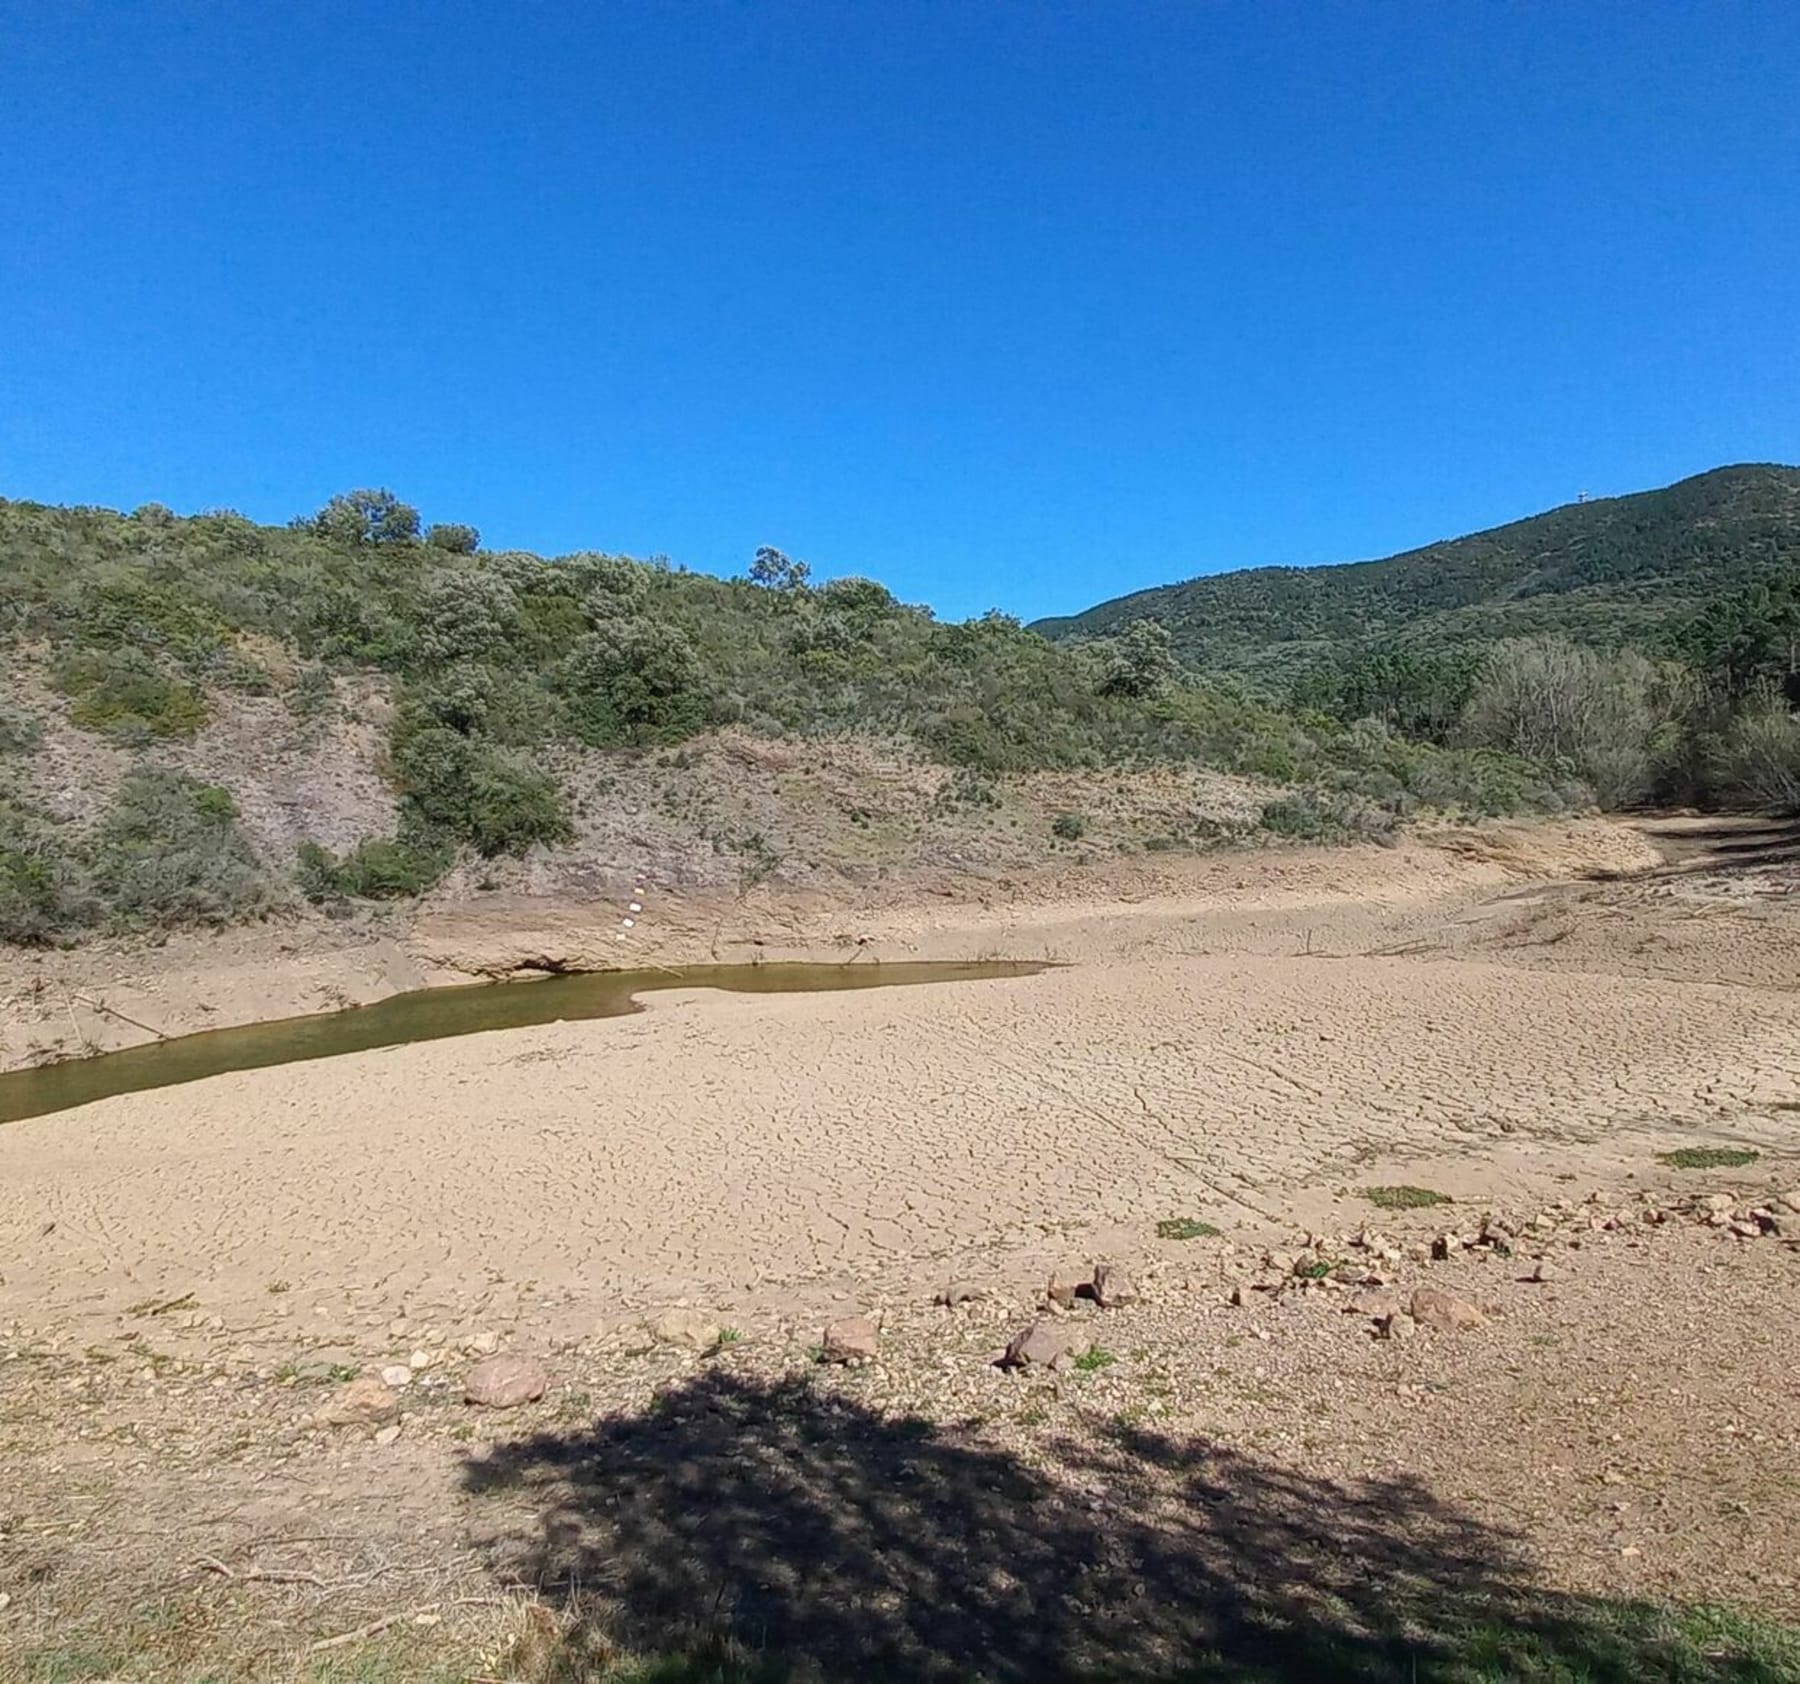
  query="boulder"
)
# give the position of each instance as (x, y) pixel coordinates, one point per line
(1113, 1287)
(1378, 1304)
(365, 1402)
(1433, 1307)
(1046, 1345)
(1064, 1288)
(505, 1381)
(852, 1339)
(693, 1329)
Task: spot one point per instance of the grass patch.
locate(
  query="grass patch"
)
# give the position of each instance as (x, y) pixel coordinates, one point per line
(1092, 1360)
(1405, 1198)
(1708, 1157)
(1185, 1228)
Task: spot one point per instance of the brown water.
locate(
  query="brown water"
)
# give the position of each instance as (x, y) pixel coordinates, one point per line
(432, 1014)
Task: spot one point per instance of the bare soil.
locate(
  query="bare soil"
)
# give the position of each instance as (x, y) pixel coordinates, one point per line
(1521, 1019)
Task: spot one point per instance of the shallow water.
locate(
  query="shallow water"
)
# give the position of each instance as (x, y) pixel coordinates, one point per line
(434, 1014)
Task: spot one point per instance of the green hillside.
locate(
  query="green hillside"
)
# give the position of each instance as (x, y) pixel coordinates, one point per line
(1613, 571)
(482, 704)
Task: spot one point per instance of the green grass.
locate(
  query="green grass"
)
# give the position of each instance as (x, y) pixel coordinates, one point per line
(1092, 1360)
(1405, 1197)
(1708, 1157)
(1185, 1228)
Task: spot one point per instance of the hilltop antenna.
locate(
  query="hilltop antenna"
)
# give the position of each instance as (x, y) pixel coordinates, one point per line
(1580, 496)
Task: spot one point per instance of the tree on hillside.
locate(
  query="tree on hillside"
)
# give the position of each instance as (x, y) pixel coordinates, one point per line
(775, 571)
(366, 517)
(1749, 640)
(1139, 661)
(453, 536)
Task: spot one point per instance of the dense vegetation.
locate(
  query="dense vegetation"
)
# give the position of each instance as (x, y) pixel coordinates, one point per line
(1612, 572)
(1648, 645)
(502, 662)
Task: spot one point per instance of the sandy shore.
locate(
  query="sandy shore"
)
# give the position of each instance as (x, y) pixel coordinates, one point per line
(1239, 1045)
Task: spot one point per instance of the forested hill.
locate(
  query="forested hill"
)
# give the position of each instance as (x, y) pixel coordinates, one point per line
(1614, 570)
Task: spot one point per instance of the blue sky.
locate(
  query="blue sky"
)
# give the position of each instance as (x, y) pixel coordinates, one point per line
(1015, 304)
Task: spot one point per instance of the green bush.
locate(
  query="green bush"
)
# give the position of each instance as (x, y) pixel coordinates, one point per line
(121, 691)
(375, 869)
(20, 732)
(169, 852)
(44, 891)
(469, 791)
(1068, 827)
(633, 681)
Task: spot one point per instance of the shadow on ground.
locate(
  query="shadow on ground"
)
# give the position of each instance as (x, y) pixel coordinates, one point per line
(749, 1531)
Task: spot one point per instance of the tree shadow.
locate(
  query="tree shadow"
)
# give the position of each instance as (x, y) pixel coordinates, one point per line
(751, 1530)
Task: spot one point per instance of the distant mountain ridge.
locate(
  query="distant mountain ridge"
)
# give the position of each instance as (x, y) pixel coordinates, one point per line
(1610, 570)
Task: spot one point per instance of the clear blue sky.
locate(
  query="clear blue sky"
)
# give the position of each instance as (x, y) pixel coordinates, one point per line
(1016, 304)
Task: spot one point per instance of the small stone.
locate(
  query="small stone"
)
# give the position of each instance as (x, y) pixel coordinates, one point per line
(1721, 1204)
(388, 1435)
(960, 1292)
(1443, 1247)
(1746, 1230)
(692, 1328)
(1282, 1262)
(852, 1339)
(1379, 1305)
(1239, 1295)
(1433, 1307)
(505, 1382)
(365, 1402)
(483, 1344)
(1113, 1287)
(1790, 1200)
(419, 1361)
(397, 1375)
(1064, 1288)
(1044, 1345)
(1396, 1326)
(1546, 1272)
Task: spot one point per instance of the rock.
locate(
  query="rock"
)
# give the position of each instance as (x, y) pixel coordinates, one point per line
(1380, 1305)
(1064, 1288)
(1720, 1204)
(505, 1382)
(1396, 1326)
(365, 1402)
(397, 1375)
(1046, 1345)
(1239, 1294)
(1790, 1200)
(1746, 1230)
(1282, 1262)
(960, 1292)
(1433, 1307)
(692, 1328)
(388, 1435)
(419, 1361)
(853, 1339)
(483, 1344)
(1444, 1247)
(1113, 1287)
(1546, 1272)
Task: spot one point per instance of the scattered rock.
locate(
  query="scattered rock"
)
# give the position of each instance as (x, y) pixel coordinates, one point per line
(1380, 1305)
(853, 1339)
(1546, 1272)
(1433, 1307)
(1396, 1326)
(960, 1292)
(388, 1435)
(1282, 1262)
(365, 1402)
(1720, 1204)
(396, 1375)
(505, 1382)
(692, 1328)
(419, 1361)
(1113, 1287)
(1046, 1345)
(1064, 1288)
(483, 1344)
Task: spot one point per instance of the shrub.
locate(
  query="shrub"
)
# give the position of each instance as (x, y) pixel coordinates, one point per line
(472, 792)
(454, 537)
(1069, 827)
(1404, 1197)
(632, 681)
(1139, 661)
(122, 692)
(20, 732)
(169, 852)
(375, 869)
(44, 891)
(1708, 1157)
(464, 614)
(1757, 761)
